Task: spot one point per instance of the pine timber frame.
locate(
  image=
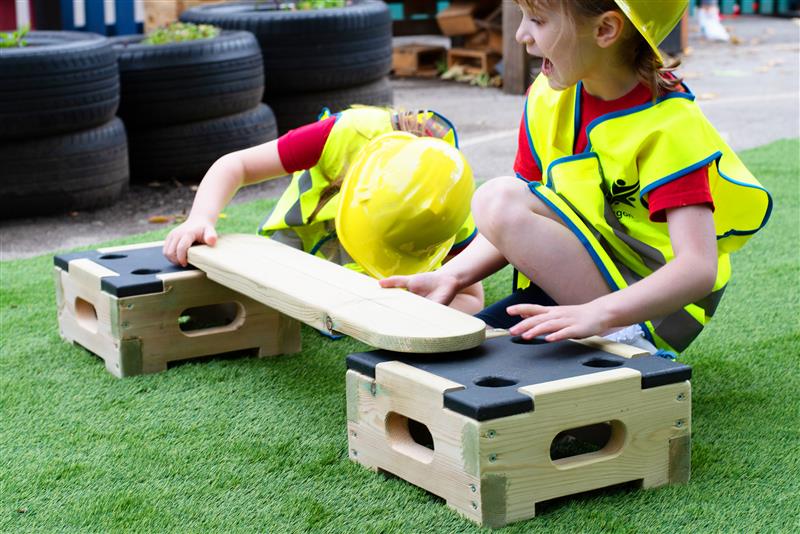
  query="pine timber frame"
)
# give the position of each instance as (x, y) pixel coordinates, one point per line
(141, 334)
(494, 472)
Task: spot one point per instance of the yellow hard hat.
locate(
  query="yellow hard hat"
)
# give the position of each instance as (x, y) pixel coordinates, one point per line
(402, 202)
(654, 20)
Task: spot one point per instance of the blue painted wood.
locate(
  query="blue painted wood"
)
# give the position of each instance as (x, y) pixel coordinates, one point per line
(126, 24)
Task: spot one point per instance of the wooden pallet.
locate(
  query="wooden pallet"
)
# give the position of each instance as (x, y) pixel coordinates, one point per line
(417, 60)
(333, 298)
(159, 313)
(473, 61)
(495, 432)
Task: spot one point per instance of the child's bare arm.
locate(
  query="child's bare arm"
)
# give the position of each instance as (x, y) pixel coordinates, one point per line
(220, 183)
(689, 277)
(470, 299)
(474, 263)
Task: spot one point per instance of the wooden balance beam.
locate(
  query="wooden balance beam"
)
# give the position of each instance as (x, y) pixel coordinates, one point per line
(335, 299)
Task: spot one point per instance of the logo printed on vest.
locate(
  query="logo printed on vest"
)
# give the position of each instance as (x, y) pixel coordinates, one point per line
(622, 193)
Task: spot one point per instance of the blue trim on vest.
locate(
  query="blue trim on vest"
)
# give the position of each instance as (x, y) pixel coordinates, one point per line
(464, 242)
(518, 175)
(615, 114)
(530, 139)
(647, 333)
(564, 159)
(767, 215)
(577, 115)
(321, 242)
(678, 174)
(602, 268)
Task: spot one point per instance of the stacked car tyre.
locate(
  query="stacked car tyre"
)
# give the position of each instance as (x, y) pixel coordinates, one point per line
(61, 148)
(186, 104)
(333, 57)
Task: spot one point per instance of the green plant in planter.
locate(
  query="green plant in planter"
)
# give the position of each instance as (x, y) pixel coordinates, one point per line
(306, 5)
(178, 32)
(14, 39)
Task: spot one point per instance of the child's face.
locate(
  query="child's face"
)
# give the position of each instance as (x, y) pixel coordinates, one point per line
(568, 50)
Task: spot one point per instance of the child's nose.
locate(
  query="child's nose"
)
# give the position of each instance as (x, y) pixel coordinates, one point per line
(522, 36)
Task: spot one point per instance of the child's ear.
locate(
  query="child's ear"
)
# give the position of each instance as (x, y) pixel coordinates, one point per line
(608, 28)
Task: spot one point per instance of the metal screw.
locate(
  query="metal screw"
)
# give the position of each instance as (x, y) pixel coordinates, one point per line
(329, 323)
(125, 324)
(129, 306)
(491, 434)
(373, 388)
(493, 457)
(474, 505)
(679, 423)
(681, 396)
(353, 433)
(473, 488)
(354, 452)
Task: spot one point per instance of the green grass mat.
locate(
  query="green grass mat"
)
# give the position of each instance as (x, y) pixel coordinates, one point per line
(249, 444)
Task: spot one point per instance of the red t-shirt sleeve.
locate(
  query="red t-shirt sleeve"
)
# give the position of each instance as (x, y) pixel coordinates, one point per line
(524, 164)
(301, 148)
(688, 190)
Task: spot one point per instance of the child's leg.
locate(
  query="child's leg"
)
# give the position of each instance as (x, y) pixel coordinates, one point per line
(534, 239)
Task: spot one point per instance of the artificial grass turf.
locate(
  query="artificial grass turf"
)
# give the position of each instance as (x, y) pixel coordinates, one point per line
(250, 444)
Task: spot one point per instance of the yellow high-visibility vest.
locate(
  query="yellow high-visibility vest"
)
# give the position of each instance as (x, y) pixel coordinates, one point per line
(601, 193)
(299, 221)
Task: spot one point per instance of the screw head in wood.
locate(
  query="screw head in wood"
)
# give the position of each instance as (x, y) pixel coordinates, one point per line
(681, 396)
(373, 388)
(491, 434)
(354, 452)
(679, 423)
(329, 323)
(473, 488)
(493, 457)
(474, 505)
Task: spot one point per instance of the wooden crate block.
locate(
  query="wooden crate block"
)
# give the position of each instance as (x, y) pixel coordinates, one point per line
(473, 61)
(458, 19)
(137, 311)
(499, 428)
(417, 60)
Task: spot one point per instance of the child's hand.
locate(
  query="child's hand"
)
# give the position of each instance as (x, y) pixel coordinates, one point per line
(193, 230)
(434, 286)
(558, 322)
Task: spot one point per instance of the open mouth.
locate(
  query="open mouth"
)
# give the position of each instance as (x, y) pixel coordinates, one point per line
(547, 67)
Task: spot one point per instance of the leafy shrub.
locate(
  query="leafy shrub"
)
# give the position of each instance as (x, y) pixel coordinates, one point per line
(178, 32)
(14, 39)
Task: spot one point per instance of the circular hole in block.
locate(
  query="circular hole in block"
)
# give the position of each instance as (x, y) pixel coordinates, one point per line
(538, 340)
(600, 440)
(603, 362)
(409, 437)
(113, 256)
(86, 315)
(211, 319)
(146, 271)
(494, 382)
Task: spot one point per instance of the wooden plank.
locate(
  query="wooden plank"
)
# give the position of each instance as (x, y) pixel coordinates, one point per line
(330, 297)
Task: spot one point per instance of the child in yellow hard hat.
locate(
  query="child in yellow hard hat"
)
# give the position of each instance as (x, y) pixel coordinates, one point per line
(380, 191)
(626, 202)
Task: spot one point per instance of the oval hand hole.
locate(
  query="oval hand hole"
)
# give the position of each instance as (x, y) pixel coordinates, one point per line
(538, 340)
(494, 382)
(113, 256)
(602, 362)
(146, 271)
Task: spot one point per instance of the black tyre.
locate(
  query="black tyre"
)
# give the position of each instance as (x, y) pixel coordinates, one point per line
(300, 109)
(313, 50)
(186, 151)
(190, 81)
(74, 171)
(60, 82)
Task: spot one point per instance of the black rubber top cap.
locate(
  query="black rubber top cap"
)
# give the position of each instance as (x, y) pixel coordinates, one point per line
(492, 372)
(137, 269)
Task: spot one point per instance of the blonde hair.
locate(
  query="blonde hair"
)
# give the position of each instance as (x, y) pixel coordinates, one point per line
(649, 68)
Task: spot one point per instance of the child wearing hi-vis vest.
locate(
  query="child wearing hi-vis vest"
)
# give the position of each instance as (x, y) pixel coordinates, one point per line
(627, 202)
(376, 190)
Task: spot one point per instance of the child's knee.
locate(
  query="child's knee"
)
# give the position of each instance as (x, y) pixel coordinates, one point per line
(498, 202)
